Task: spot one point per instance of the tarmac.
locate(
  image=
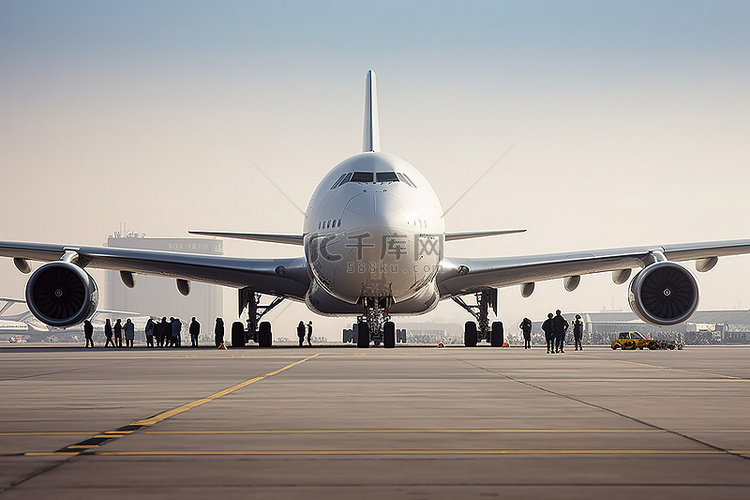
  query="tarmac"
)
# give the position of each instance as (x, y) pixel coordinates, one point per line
(342, 422)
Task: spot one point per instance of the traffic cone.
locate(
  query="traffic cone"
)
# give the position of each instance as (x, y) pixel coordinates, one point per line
(222, 346)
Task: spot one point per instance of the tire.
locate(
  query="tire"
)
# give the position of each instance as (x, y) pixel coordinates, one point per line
(470, 334)
(238, 334)
(496, 335)
(265, 337)
(363, 335)
(389, 335)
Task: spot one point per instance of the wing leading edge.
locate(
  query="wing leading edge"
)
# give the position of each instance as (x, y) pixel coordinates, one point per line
(461, 276)
(281, 277)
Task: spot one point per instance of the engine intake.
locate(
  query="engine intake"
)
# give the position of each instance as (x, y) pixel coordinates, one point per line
(61, 294)
(664, 293)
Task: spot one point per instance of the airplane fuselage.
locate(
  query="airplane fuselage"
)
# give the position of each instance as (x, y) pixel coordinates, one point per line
(373, 229)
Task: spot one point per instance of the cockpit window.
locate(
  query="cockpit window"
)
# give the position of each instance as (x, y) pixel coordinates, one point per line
(362, 177)
(407, 180)
(338, 181)
(373, 177)
(342, 180)
(386, 177)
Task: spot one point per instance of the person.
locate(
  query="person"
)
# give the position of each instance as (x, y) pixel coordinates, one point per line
(176, 331)
(219, 332)
(162, 329)
(301, 333)
(108, 333)
(129, 333)
(88, 332)
(118, 333)
(149, 331)
(168, 332)
(578, 332)
(309, 334)
(195, 330)
(525, 327)
(547, 329)
(559, 327)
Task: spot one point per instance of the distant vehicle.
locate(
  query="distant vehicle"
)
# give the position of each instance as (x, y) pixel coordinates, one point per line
(635, 340)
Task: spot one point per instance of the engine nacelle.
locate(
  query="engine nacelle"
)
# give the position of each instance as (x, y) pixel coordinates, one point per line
(61, 294)
(664, 293)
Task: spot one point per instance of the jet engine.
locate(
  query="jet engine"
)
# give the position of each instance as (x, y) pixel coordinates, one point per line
(61, 294)
(664, 293)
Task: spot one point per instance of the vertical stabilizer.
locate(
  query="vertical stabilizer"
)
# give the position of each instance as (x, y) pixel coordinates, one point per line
(371, 139)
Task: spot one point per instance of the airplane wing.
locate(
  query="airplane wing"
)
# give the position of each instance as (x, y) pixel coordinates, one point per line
(461, 276)
(281, 277)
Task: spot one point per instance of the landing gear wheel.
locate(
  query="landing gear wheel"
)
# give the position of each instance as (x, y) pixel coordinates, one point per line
(496, 335)
(363, 335)
(470, 334)
(265, 337)
(389, 335)
(238, 334)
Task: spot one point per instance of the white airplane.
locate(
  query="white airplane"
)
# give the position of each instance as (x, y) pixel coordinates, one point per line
(374, 247)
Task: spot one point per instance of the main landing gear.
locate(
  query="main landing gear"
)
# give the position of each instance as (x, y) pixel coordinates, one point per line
(257, 330)
(375, 324)
(493, 333)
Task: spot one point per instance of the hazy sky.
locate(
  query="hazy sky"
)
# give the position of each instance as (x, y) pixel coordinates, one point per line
(634, 119)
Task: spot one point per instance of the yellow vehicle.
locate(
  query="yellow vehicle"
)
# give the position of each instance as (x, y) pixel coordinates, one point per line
(634, 340)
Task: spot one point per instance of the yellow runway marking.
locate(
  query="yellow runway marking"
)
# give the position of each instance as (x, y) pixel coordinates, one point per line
(411, 452)
(51, 453)
(61, 433)
(418, 431)
(720, 375)
(189, 406)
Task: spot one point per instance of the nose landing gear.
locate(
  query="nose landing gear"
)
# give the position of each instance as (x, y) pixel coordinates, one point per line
(375, 324)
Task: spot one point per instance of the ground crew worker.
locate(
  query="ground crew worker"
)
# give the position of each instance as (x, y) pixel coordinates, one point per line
(195, 330)
(301, 333)
(176, 331)
(118, 333)
(525, 327)
(219, 332)
(149, 331)
(129, 333)
(578, 332)
(559, 327)
(548, 336)
(108, 333)
(88, 332)
(309, 334)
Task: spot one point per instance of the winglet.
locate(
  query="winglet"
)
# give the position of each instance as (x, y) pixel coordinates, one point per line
(371, 138)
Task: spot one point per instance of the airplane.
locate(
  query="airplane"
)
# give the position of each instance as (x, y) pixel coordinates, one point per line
(374, 247)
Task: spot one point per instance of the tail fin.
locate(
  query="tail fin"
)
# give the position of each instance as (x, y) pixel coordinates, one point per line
(371, 139)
